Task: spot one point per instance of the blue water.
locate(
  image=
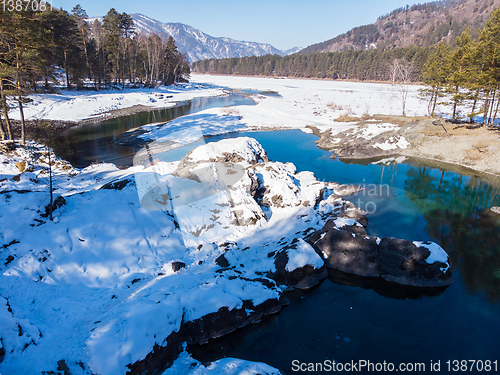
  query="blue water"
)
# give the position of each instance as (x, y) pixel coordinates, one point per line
(351, 319)
(361, 319)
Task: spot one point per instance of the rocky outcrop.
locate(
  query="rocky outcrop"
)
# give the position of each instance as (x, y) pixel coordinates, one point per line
(345, 246)
(298, 266)
(200, 331)
(409, 263)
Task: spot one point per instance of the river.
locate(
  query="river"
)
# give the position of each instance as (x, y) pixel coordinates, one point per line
(352, 318)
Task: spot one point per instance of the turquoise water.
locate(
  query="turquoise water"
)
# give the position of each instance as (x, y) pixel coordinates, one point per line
(347, 318)
(358, 319)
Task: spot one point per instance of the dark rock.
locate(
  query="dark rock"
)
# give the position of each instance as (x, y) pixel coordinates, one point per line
(2, 351)
(222, 261)
(301, 278)
(116, 185)
(350, 250)
(57, 203)
(200, 331)
(161, 358)
(224, 321)
(176, 266)
(62, 366)
(401, 261)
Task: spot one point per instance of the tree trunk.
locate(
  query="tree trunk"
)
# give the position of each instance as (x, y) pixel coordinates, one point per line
(491, 106)
(50, 187)
(104, 65)
(68, 85)
(86, 54)
(5, 110)
(472, 111)
(2, 130)
(19, 93)
(486, 107)
(496, 111)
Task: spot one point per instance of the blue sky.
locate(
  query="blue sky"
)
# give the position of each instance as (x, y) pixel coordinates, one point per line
(282, 23)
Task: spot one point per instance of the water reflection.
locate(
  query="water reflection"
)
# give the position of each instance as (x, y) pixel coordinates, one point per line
(384, 288)
(456, 209)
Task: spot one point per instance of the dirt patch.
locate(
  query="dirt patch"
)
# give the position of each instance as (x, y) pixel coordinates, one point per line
(474, 146)
(469, 146)
(123, 112)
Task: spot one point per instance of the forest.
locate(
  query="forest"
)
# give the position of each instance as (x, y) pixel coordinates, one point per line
(368, 65)
(465, 77)
(44, 47)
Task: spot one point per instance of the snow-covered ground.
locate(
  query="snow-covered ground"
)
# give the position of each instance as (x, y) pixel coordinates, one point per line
(97, 287)
(101, 284)
(79, 105)
(317, 103)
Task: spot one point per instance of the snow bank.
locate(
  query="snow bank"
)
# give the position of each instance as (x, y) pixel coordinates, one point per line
(438, 254)
(185, 365)
(97, 284)
(79, 105)
(303, 255)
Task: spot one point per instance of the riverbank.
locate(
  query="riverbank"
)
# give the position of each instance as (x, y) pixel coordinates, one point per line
(466, 146)
(354, 120)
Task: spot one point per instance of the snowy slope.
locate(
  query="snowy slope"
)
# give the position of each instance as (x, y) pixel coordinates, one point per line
(88, 287)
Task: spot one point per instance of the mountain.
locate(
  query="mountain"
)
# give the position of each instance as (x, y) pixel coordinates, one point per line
(421, 25)
(198, 45)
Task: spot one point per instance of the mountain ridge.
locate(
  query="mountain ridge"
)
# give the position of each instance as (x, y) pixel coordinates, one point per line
(198, 45)
(420, 25)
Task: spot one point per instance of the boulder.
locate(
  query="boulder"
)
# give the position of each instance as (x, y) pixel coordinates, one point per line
(299, 266)
(346, 247)
(411, 263)
(350, 249)
(201, 330)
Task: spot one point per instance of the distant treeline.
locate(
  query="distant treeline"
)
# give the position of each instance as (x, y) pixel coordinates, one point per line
(41, 46)
(465, 77)
(368, 65)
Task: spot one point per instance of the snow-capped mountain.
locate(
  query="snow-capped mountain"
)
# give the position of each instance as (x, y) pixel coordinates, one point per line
(198, 45)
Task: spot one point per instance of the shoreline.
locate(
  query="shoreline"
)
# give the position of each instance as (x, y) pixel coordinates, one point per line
(36, 133)
(471, 150)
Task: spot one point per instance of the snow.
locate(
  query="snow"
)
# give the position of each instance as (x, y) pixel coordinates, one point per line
(185, 365)
(79, 105)
(318, 103)
(437, 254)
(190, 128)
(96, 284)
(393, 143)
(303, 255)
(343, 222)
(372, 130)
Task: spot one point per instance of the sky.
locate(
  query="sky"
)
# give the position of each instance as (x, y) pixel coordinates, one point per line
(282, 23)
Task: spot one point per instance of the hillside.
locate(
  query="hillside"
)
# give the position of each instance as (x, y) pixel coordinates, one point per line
(418, 25)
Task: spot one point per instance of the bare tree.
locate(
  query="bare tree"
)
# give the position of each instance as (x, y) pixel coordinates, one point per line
(401, 71)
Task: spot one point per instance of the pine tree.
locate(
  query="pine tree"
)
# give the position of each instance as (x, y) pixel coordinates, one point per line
(489, 54)
(80, 15)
